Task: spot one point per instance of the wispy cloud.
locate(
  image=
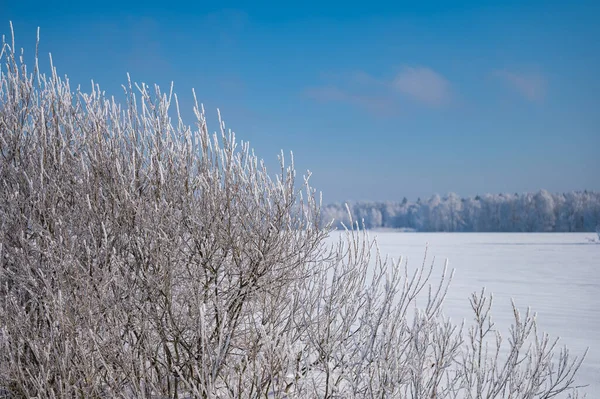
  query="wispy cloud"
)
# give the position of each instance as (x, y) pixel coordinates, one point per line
(384, 95)
(532, 86)
(378, 104)
(424, 85)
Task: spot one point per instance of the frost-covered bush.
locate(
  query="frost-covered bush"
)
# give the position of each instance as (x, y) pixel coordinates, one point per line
(141, 258)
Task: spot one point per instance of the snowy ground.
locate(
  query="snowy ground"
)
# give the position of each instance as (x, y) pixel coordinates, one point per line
(556, 274)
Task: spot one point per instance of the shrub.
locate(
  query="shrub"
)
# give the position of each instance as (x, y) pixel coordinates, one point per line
(143, 258)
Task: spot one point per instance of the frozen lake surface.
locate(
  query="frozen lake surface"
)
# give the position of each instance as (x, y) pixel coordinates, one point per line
(556, 274)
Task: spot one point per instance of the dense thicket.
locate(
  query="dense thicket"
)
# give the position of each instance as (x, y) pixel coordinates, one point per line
(141, 258)
(530, 212)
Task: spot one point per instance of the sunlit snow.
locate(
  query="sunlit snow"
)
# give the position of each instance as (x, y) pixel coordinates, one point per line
(556, 274)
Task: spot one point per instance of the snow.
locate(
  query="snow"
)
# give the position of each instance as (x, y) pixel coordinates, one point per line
(556, 274)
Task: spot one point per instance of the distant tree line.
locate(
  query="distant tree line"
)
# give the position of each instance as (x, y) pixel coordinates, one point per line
(577, 211)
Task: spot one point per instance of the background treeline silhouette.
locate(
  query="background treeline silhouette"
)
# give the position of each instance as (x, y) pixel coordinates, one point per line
(577, 211)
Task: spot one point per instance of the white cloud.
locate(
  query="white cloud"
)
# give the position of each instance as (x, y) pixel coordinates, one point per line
(384, 96)
(378, 104)
(532, 86)
(423, 84)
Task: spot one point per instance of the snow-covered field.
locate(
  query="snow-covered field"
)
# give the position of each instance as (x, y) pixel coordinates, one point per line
(556, 274)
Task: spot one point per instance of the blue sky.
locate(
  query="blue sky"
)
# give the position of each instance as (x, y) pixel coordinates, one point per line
(378, 101)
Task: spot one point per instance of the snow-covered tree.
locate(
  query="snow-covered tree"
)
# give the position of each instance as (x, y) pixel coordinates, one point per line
(541, 211)
(544, 211)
